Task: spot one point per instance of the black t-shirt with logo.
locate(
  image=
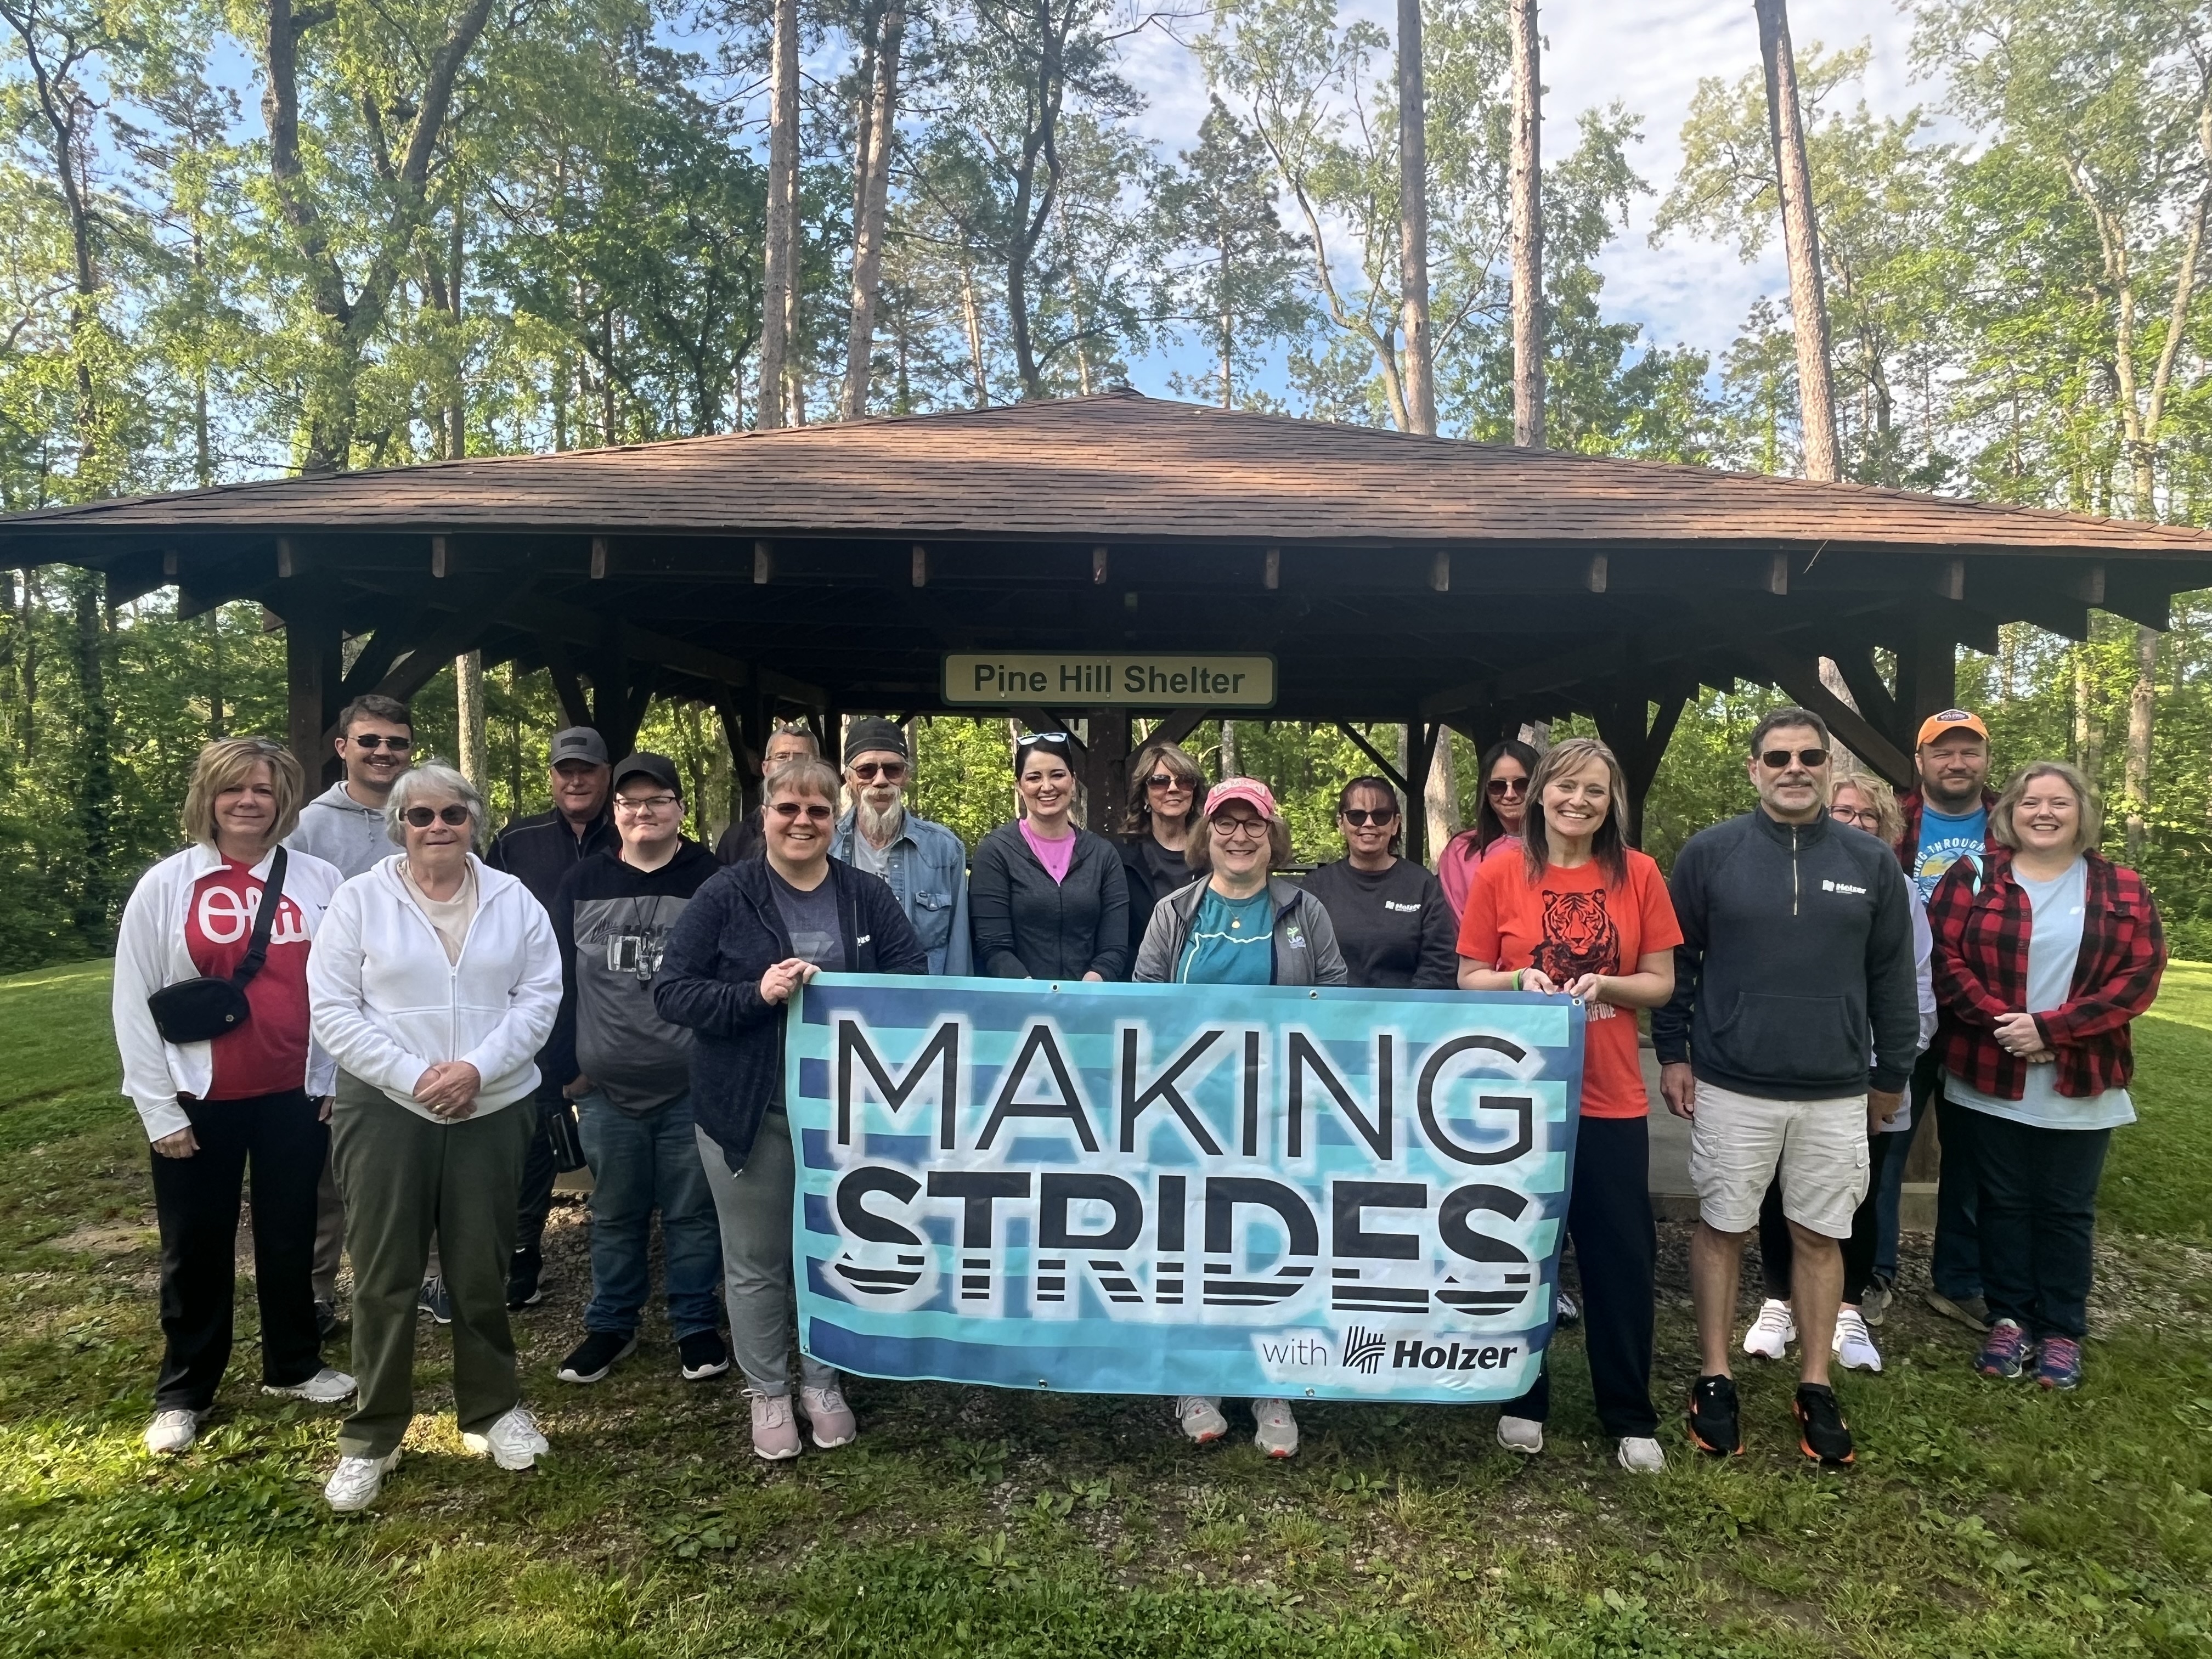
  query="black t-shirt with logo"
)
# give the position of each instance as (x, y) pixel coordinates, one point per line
(1394, 926)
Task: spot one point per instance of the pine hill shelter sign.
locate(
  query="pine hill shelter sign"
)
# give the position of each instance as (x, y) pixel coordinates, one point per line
(1151, 680)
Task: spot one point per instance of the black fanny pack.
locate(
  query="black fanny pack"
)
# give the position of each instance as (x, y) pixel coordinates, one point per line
(201, 1010)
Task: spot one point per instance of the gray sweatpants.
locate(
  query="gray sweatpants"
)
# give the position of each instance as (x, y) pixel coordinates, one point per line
(754, 1208)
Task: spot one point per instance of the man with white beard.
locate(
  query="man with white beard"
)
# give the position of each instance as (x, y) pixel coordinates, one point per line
(925, 863)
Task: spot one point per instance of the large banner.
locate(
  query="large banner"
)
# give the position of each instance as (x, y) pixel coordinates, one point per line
(1162, 1189)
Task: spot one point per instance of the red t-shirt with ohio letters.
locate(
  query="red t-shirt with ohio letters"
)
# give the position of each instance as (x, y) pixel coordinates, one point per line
(1569, 924)
(268, 1055)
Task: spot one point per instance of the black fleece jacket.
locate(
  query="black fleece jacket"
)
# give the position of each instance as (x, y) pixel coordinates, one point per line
(1029, 926)
(1796, 938)
(730, 934)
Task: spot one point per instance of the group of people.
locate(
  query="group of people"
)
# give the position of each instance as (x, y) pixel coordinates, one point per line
(412, 1033)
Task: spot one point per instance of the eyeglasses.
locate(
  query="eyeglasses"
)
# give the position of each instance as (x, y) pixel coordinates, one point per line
(1360, 817)
(1240, 829)
(868, 771)
(1775, 760)
(789, 811)
(644, 803)
(1499, 788)
(1865, 816)
(1164, 782)
(422, 817)
(374, 739)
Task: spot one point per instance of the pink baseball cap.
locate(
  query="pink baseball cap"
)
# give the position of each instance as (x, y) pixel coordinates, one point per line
(1253, 792)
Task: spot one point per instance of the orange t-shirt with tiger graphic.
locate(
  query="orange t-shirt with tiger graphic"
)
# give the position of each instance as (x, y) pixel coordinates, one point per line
(1571, 923)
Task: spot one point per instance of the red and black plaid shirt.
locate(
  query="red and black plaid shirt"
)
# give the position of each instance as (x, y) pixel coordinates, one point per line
(1981, 976)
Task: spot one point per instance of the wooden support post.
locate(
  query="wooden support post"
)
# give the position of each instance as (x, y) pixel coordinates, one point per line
(1420, 745)
(314, 674)
(1106, 771)
(1927, 675)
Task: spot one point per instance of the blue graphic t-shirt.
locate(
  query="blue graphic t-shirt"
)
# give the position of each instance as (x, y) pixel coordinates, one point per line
(1944, 840)
(1231, 942)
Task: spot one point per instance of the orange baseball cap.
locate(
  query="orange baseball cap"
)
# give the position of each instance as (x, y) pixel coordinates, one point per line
(1951, 720)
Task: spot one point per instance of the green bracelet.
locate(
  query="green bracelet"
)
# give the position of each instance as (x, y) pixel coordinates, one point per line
(1516, 979)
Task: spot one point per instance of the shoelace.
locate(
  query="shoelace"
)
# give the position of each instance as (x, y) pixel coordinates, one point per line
(2064, 1351)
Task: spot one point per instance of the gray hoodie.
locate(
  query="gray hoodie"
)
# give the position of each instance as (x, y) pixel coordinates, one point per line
(339, 830)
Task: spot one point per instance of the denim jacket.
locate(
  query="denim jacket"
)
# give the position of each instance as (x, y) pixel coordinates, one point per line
(929, 878)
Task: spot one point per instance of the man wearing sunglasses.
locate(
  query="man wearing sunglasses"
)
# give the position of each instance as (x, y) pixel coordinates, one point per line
(925, 863)
(1797, 942)
(344, 826)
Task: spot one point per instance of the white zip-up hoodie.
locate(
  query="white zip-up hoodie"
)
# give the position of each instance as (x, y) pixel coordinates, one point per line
(150, 953)
(388, 1006)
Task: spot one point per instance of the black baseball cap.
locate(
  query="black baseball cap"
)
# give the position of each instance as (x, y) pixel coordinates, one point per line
(659, 768)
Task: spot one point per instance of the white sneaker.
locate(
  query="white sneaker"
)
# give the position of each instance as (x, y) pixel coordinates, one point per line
(512, 1442)
(1201, 1417)
(1277, 1434)
(1772, 1332)
(355, 1482)
(173, 1432)
(1854, 1344)
(1640, 1454)
(1521, 1434)
(326, 1387)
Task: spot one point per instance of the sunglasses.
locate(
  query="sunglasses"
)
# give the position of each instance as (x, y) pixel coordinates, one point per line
(1360, 817)
(374, 739)
(424, 817)
(868, 771)
(1775, 760)
(1499, 788)
(1028, 737)
(788, 811)
(1166, 780)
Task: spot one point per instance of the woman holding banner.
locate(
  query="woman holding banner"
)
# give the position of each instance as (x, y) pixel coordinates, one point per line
(750, 938)
(1240, 927)
(1048, 899)
(1582, 912)
(1392, 923)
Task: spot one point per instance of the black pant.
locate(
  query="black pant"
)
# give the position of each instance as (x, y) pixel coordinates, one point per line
(2039, 1210)
(1955, 1267)
(196, 1199)
(535, 1201)
(1616, 1250)
(1778, 1252)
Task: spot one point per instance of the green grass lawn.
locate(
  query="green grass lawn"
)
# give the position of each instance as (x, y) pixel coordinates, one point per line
(1982, 1520)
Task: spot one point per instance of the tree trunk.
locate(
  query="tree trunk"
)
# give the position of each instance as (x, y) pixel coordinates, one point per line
(872, 200)
(1413, 223)
(218, 717)
(1440, 793)
(1527, 197)
(1809, 306)
(2082, 715)
(975, 323)
(469, 698)
(2140, 701)
(1229, 761)
(456, 413)
(779, 277)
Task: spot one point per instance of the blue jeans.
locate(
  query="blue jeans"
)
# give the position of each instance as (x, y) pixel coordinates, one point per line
(639, 1164)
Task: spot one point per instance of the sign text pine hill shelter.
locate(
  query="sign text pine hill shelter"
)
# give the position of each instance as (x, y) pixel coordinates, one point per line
(1162, 680)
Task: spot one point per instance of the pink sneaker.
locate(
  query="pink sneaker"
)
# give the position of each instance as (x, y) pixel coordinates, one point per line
(828, 1416)
(775, 1434)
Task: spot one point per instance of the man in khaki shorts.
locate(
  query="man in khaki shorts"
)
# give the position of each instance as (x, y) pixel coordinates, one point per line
(1797, 945)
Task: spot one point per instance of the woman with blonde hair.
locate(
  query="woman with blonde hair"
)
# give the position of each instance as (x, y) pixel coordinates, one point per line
(435, 982)
(210, 1010)
(1167, 798)
(2045, 953)
(1583, 913)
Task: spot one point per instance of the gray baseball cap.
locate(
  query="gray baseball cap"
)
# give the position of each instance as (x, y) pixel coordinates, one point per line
(578, 743)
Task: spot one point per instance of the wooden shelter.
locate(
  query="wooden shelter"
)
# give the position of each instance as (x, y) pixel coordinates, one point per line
(827, 569)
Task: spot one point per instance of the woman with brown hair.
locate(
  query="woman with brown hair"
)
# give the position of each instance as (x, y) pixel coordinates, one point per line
(1167, 795)
(1501, 809)
(1583, 913)
(1392, 922)
(255, 1091)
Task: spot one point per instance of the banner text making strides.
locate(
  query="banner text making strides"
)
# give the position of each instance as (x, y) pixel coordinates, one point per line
(1174, 1189)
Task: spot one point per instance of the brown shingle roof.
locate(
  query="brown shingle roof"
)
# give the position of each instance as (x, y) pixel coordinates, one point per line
(1114, 467)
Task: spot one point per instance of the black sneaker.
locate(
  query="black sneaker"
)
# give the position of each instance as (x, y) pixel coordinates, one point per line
(1821, 1431)
(590, 1360)
(327, 1323)
(435, 1302)
(703, 1354)
(1715, 1427)
(525, 1271)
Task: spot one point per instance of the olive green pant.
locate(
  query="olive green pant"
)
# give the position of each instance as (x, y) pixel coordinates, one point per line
(406, 1180)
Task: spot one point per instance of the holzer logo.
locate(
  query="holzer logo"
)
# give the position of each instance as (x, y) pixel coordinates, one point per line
(1413, 1354)
(1841, 887)
(1364, 1349)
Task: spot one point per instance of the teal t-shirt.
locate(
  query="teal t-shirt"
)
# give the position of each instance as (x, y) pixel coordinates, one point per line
(1231, 942)
(1945, 838)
